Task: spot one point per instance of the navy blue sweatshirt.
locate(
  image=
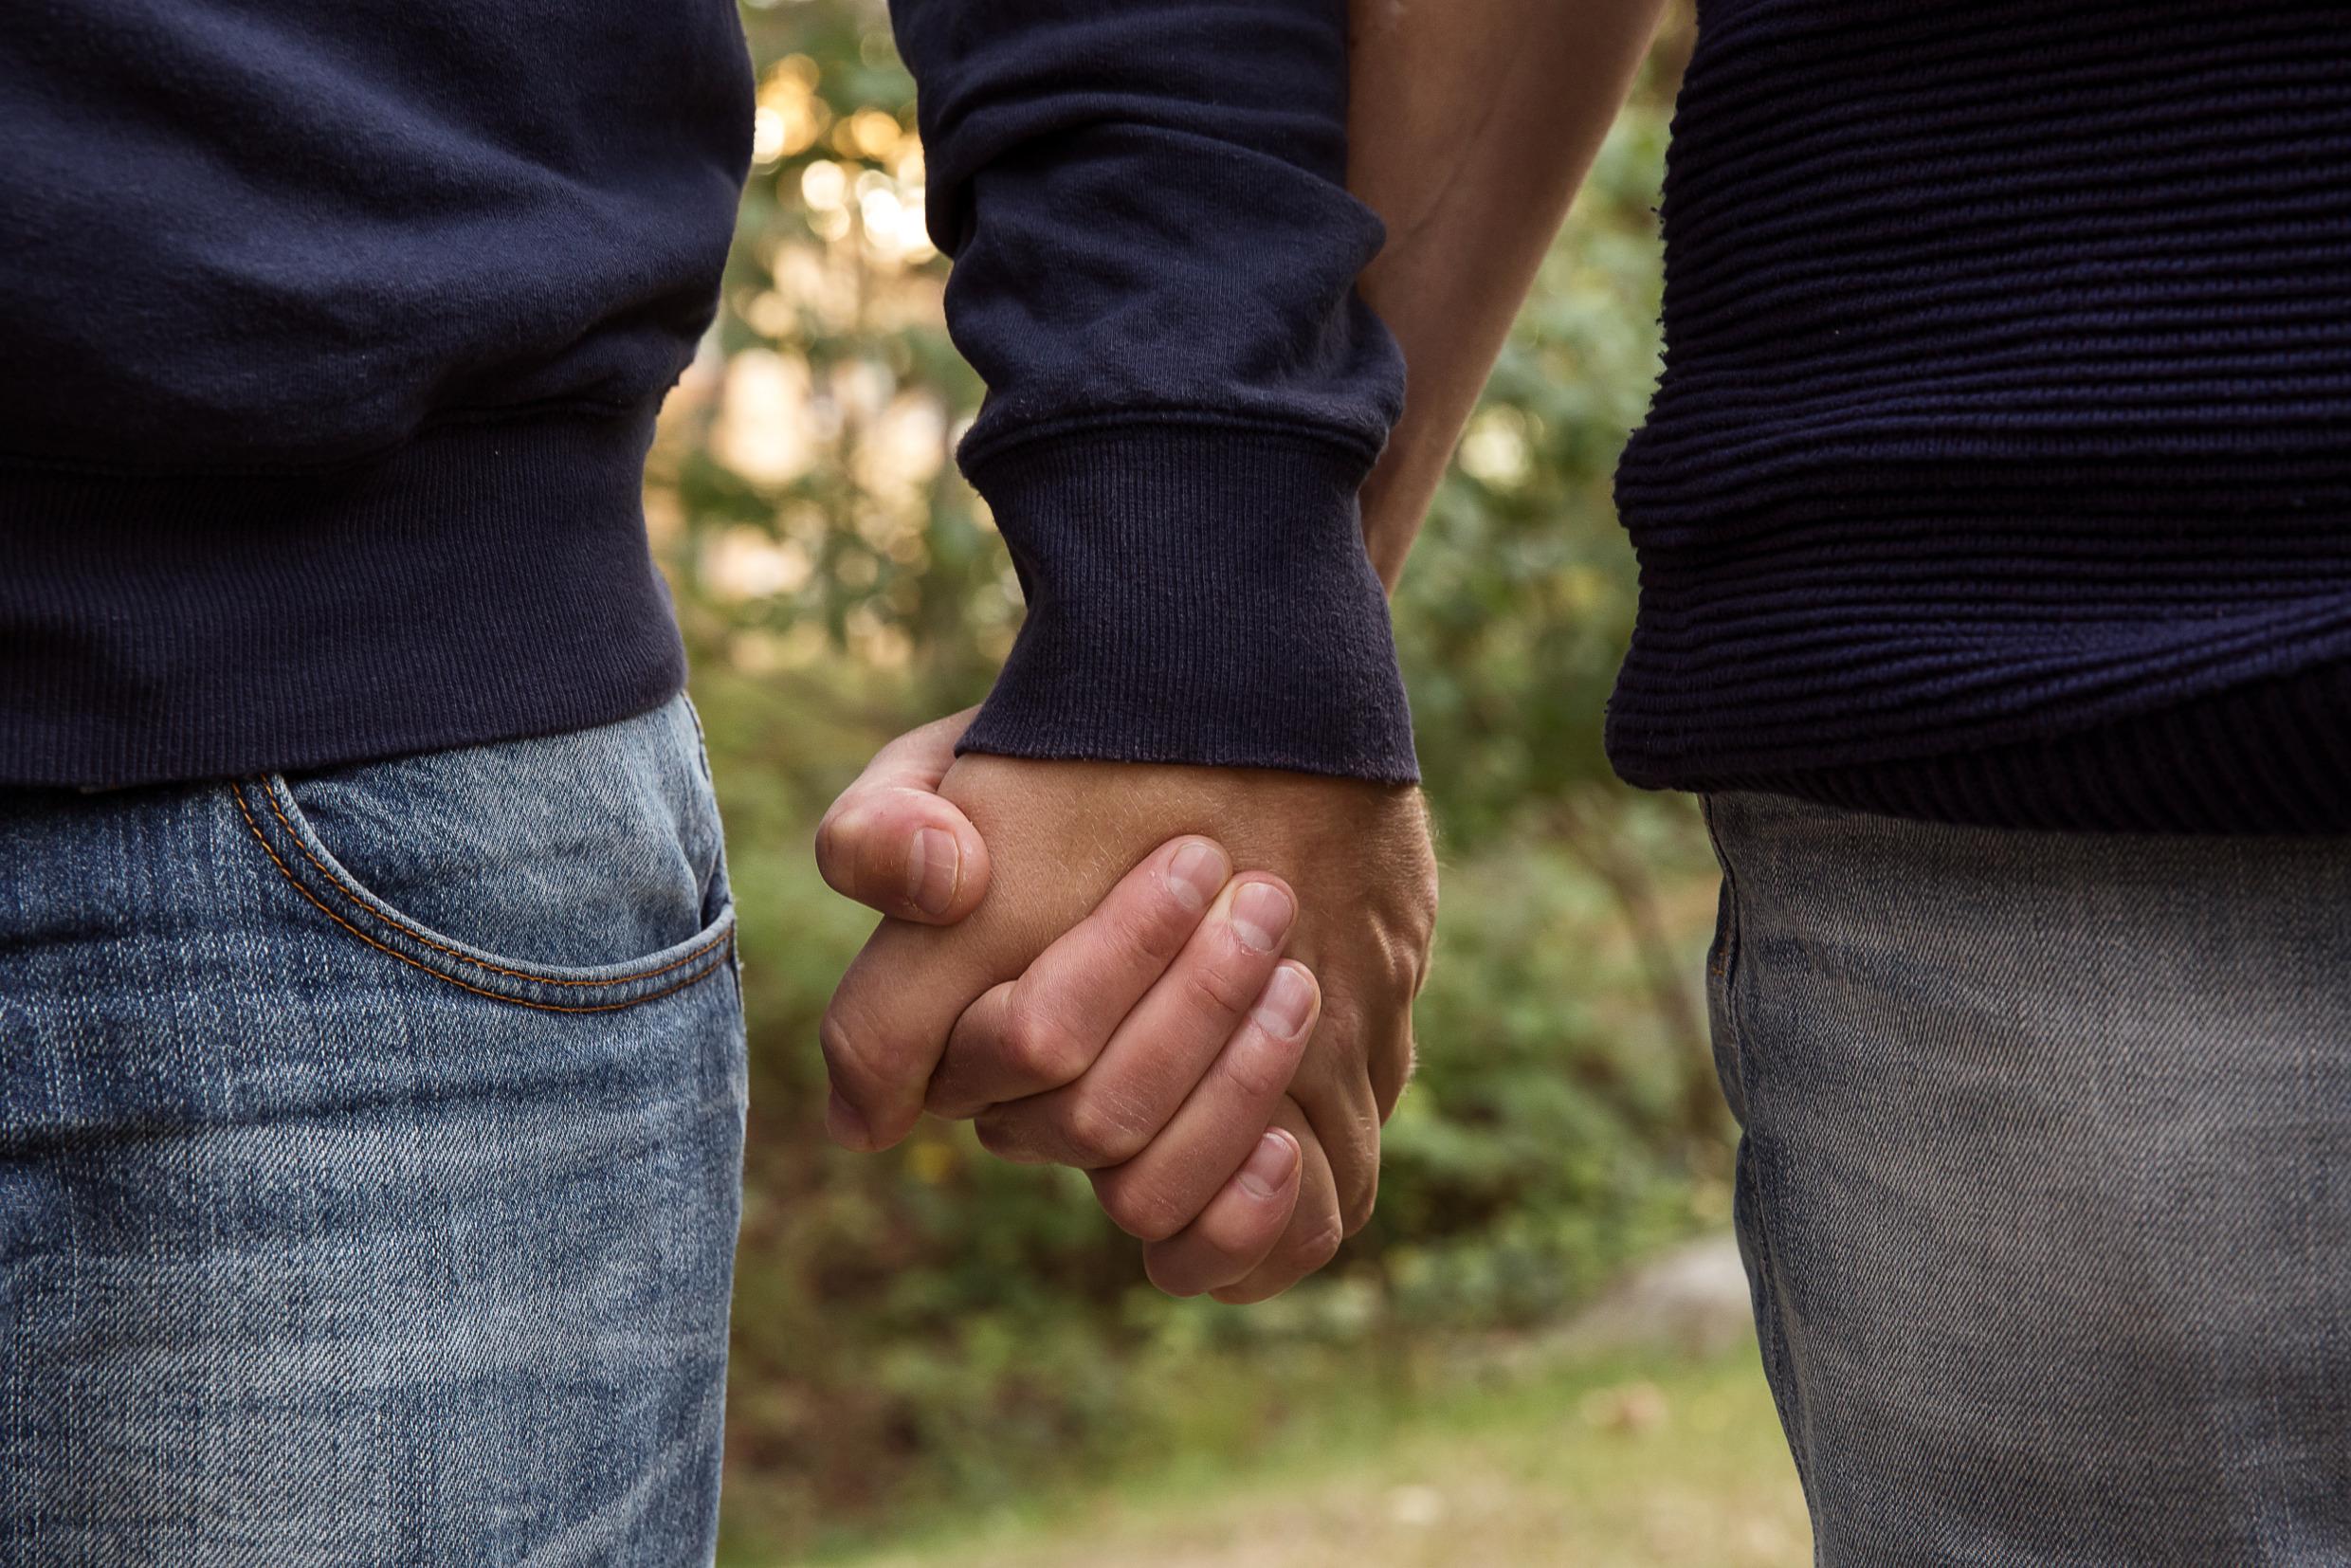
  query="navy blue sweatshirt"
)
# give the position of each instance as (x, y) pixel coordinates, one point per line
(1998, 471)
(335, 333)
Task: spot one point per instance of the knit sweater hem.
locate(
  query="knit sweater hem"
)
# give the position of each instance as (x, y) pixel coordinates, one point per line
(2266, 757)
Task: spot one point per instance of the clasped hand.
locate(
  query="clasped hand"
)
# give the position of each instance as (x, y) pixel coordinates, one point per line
(1192, 984)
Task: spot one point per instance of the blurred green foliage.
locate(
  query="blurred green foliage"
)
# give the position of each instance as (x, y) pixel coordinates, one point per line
(928, 1328)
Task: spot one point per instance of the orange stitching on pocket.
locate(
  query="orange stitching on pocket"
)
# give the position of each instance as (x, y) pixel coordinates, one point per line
(286, 871)
(344, 886)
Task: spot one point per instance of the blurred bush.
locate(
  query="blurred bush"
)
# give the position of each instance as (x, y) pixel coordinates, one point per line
(928, 1328)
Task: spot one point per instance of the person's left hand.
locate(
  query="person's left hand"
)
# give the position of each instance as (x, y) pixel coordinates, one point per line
(1043, 842)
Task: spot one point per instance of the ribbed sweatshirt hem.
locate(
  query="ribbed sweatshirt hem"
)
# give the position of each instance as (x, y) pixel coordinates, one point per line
(484, 583)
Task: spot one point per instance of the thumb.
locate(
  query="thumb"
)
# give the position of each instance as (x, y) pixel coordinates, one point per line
(894, 843)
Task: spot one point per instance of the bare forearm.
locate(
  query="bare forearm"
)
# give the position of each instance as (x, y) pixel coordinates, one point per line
(1472, 123)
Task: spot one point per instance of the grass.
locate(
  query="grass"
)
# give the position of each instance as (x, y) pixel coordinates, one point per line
(1640, 1461)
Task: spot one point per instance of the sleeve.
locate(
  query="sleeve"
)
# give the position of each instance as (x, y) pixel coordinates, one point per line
(1154, 262)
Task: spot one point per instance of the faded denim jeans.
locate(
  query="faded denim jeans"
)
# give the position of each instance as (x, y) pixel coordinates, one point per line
(2045, 1190)
(370, 1148)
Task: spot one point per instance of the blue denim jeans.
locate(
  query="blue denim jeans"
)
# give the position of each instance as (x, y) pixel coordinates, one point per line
(370, 1150)
(2045, 1190)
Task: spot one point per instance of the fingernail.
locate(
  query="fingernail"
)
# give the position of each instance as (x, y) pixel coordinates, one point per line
(1195, 874)
(1269, 1164)
(933, 868)
(1288, 998)
(844, 1126)
(1260, 916)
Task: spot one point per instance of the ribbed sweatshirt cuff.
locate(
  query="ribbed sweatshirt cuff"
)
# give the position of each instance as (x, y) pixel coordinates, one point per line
(1196, 594)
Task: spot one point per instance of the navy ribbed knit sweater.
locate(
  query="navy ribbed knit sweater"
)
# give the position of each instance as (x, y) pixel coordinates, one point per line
(2001, 467)
(1999, 470)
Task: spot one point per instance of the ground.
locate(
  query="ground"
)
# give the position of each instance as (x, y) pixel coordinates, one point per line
(1596, 1456)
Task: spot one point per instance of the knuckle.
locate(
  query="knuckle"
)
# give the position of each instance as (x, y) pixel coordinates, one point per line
(1100, 1130)
(867, 1056)
(1039, 1044)
(1218, 990)
(1408, 971)
(1313, 1246)
(1352, 1123)
(1153, 934)
(990, 1132)
(1391, 1071)
(1168, 1273)
(1142, 1210)
(1257, 1069)
(1001, 1138)
(848, 1051)
(1262, 1283)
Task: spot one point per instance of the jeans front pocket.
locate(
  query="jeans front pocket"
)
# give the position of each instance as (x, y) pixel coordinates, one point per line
(575, 873)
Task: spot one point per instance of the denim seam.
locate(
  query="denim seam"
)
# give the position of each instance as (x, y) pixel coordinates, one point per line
(1728, 960)
(244, 809)
(1776, 1371)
